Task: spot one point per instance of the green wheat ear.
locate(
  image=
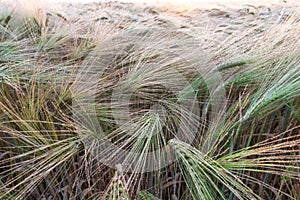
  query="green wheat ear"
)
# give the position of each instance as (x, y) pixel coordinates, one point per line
(228, 65)
(201, 174)
(145, 195)
(117, 189)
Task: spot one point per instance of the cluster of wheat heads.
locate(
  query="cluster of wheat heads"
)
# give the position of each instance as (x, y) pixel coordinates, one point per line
(89, 111)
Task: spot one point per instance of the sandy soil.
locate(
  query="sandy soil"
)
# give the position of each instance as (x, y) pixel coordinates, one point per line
(210, 23)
